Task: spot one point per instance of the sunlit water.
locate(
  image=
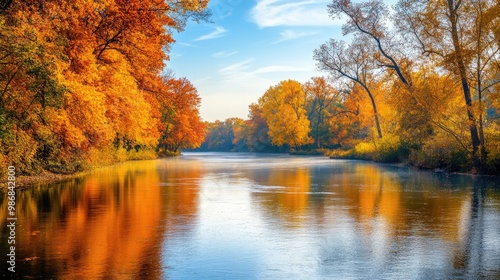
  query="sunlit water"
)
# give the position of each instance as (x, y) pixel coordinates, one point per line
(250, 216)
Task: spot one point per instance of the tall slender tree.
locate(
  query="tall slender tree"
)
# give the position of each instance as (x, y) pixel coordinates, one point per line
(353, 62)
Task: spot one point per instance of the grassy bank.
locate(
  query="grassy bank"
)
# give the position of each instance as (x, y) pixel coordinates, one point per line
(70, 170)
(436, 155)
(46, 172)
(25, 181)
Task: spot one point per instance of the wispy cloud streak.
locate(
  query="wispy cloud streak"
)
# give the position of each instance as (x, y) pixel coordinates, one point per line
(269, 13)
(289, 34)
(236, 67)
(277, 68)
(217, 33)
(224, 54)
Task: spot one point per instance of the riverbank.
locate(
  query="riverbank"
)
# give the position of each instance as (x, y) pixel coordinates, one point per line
(395, 157)
(410, 164)
(25, 182)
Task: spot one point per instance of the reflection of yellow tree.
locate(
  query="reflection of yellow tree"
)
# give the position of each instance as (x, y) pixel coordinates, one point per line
(372, 193)
(111, 229)
(290, 200)
(494, 196)
(376, 193)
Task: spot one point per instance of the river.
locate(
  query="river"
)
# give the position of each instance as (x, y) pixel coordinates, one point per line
(257, 216)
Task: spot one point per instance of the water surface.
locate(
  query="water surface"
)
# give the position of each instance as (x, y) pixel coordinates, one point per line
(252, 216)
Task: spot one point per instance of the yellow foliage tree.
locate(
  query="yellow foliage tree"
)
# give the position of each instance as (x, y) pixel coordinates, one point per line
(283, 107)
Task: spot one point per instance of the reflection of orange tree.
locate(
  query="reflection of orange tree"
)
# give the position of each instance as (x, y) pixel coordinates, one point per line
(289, 202)
(371, 194)
(104, 225)
(432, 210)
(180, 189)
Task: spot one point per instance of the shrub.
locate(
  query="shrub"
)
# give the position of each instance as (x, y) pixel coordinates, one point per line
(391, 150)
(73, 165)
(21, 153)
(440, 153)
(167, 153)
(142, 154)
(3, 167)
(362, 150)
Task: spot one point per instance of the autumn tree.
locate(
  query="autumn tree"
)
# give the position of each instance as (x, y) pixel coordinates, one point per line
(183, 127)
(257, 135)
(441, 29)
(219, 136)
(352, 62)
(321, 98)
(240, 132)
(226, 136)
(81, 80)
(283, 107)
(346, 122)
(31, 92)
(460, 35)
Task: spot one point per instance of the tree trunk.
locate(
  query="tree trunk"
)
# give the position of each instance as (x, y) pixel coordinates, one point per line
(459, 61)
(375, 112)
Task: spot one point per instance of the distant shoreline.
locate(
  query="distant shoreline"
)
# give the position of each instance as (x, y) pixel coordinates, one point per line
(27, 181)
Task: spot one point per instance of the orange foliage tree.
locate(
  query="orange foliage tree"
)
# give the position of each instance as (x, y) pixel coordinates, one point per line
(183, 125)
(81, 80)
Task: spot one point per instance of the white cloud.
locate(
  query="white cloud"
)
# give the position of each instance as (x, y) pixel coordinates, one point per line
(268, 13)
(217, 33)
(277, 68)
(237, 67)
(175, 55)
(185, 44)
(292, 34)
(241, 69)
(201, 80)
(223, 54)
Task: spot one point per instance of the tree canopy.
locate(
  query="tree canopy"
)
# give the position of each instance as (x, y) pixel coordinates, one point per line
(81, 82)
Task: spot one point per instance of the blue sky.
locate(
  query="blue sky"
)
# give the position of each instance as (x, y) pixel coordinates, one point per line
(250, 46)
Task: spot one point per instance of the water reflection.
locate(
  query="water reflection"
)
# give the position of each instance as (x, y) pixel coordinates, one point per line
(180, 190)
(427, 206)
(258, 216)
(104, 226)
(285, 194)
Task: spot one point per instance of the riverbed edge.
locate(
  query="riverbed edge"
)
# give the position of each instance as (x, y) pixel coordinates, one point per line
(25, 182)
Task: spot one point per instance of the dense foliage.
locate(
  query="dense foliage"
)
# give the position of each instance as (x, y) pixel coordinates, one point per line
(81, 83)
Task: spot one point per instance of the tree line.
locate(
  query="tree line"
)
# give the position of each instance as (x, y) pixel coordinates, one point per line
(82, 83)
(418, 83)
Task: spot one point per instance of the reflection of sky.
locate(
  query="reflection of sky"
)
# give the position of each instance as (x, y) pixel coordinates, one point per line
(224, 238)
